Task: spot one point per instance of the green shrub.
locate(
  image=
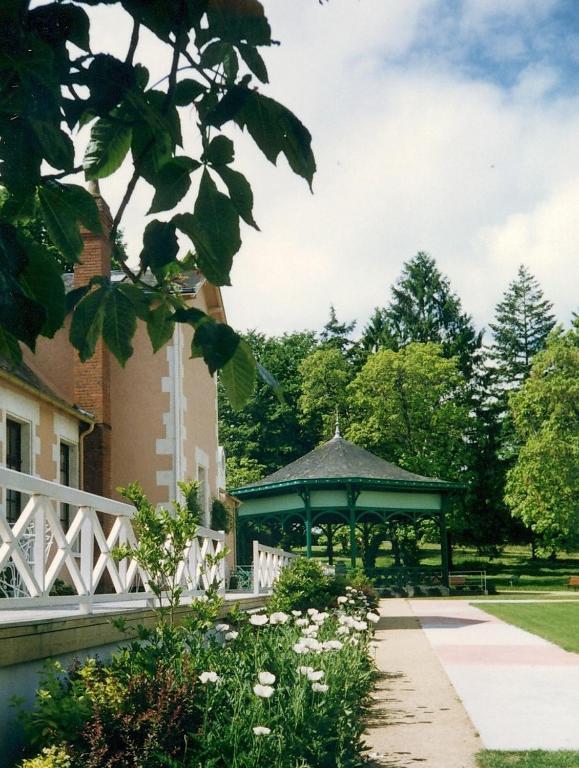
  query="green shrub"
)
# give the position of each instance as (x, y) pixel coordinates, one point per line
(50, 757)
(301, 585)
(357, 579)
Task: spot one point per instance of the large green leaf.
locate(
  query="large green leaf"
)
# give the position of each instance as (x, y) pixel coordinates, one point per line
(42, 282)
(214, 231)
(119, 324)
(239, 192)
(172, 183)
(220, 151)
(229, 106)
(109, 81)
(252, 58)
(275, 129)
(57, 23)
(238, 375)
(160, 326)
(56, 146)
(109, 143)
(236, 21)
(87, 322)
(186, 91)
(62, 207)
(217, 342)
(160, 246)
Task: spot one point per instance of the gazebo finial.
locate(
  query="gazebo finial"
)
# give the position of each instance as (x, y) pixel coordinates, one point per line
(337, 432)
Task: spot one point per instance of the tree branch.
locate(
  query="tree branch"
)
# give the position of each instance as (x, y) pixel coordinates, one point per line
(134, 42)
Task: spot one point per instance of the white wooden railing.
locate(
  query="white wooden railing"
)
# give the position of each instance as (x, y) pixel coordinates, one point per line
(35, 550)
(267, 565)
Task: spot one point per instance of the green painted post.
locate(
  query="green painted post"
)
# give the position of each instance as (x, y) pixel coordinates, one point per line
(308, 510)
(352, 537)
(444, 540)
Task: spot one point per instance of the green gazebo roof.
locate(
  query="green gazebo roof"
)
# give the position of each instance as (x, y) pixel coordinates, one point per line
(340, 460)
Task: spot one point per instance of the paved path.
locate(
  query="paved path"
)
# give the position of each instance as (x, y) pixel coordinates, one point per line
(520, 691)
(417, 718)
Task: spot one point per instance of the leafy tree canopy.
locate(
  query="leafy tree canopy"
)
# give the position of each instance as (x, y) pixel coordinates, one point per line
(325, 375)
(543, 486)
(408, 407)
(336, 335)
(53, 82)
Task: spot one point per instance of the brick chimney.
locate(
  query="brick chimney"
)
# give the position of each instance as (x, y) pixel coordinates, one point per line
(92, 380)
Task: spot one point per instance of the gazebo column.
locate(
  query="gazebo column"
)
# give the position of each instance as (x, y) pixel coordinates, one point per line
(330, 548)
(308, 522)
(352, 523)
(444, 539)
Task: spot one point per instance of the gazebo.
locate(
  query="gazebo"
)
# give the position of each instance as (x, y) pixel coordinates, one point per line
(341, 483)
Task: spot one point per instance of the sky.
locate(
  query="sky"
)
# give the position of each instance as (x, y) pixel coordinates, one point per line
(446, 126)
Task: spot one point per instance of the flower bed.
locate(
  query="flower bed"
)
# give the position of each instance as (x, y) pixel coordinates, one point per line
(286, 689)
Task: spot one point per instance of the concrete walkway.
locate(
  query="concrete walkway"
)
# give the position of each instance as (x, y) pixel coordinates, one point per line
(456, 680)
(520, 691)
(417, 718)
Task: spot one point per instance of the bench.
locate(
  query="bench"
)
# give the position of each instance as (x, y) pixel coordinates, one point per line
(456, 581)
(573, 582)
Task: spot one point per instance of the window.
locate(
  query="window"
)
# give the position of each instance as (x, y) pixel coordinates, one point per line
(13, 461)
(65, 477)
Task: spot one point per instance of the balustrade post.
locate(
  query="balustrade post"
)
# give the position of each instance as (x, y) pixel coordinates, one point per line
(256, 588)
(87, 557)
(39, 542)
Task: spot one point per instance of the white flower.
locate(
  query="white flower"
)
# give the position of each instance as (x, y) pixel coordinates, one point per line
(209, 677)
(258, 620)
(315, 677)
(300, 648)
(221, 627)
(312, 611)
(231, 635)
(261, 730)
(302, 622)
(350, 589)
(332, 645)
(278, 618)
(305, 670)
(311, 642)
(319, 618)
(342, 599)
(320, 687)
(351, 602)
(311, 630)
(266, 678)
(360, 625)
(373, 617)
(263, 691)
(296, 613)
(343, 630)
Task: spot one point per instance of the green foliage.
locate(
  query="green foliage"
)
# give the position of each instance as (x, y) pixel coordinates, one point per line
(50, 757)
(162, 537)
(267, 433)
(48, 92)
(543, 486)
(220, 516)
(196, 698)
(324, 375)
(302, 584)
(523, 321)
(406, 407)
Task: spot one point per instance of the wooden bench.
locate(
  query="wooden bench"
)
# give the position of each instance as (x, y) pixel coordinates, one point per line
(573, 582)
(456, 581)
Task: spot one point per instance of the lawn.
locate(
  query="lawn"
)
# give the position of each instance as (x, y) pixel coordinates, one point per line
(531, 759)
(555, 621)
(539, 575)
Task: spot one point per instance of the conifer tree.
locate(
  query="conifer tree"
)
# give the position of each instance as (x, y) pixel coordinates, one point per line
(336, 335)
(523, 323)
(423, 308)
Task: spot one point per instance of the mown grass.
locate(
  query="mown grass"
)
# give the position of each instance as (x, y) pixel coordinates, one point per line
(541, 575)
(531, 759)
(555, 621)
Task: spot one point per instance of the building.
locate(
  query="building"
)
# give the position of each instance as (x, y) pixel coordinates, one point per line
(97, 426)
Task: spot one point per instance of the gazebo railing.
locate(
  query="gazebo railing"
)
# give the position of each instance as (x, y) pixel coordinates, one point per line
(399, 579)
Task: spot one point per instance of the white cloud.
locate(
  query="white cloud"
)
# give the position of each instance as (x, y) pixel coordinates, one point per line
(414, 157)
